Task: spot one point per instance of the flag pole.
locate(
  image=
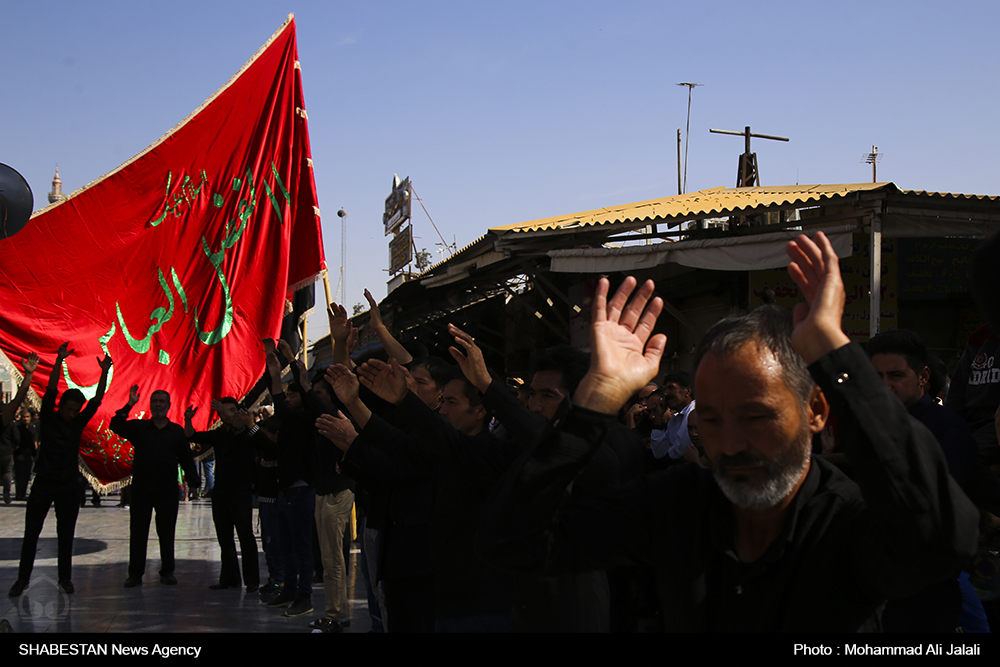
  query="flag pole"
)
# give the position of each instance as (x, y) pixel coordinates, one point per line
(329, 300)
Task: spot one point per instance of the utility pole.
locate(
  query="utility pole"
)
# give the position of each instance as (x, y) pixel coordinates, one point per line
(687, 142)
(343, 255)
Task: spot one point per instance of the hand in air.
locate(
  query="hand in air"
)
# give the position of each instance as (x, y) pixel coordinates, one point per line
(344, 382)
(337, 429)
(387, 381)
(471, 361)
(623, 357)
(815, 268)
(30, 363)
(374, 313)
(340, 323)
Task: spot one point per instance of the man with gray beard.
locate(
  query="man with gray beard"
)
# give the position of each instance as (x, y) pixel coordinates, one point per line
(766, 538)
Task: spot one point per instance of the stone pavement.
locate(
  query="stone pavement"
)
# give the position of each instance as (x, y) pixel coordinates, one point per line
(100, 559)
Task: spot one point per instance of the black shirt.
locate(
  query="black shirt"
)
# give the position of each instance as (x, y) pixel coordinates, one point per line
(60, 440)
(156, 454)
(234, 459)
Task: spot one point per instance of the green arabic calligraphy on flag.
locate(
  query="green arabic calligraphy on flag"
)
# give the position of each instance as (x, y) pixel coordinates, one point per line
(178, 262)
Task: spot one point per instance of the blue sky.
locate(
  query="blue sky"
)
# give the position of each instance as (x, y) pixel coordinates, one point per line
(506, 112)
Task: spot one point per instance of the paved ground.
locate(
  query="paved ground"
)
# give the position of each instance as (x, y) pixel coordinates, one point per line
(101, 604)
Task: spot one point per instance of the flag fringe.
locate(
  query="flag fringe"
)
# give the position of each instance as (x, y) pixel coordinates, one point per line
(304, 283)
(96, 484)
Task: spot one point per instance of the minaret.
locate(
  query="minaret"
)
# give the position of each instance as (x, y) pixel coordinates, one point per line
(57, 194)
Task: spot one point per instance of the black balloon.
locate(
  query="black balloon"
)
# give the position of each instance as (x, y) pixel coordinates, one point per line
(16, 202)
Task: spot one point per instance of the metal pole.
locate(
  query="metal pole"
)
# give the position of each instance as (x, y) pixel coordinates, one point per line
(687, 144)
(329, 300)
(876, 275)
(680, 188)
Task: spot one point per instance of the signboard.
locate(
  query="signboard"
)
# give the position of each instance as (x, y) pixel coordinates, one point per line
(400, 253)
(936, 267)
(856, 273)
(397, 205)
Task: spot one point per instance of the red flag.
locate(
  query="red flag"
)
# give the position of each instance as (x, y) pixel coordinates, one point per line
(178, 262)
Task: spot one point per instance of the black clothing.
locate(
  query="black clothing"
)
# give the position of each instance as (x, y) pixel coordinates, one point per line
(44, 493)
(235, 512)
(235, 459)
(156, 454)
(57, 457)
(839, 555)
(56, 475)
(975, 391)
(24, 460)
(569, 601)
(952, 434)
(232, 502)
(465, 469)
(402, 495)
(296, 447)
(399, 504)
(140, 509)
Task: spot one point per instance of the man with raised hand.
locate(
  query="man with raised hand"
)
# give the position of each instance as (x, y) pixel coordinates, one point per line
(767, 539)
(232, 496)
(400, 502)
(159, 446)
(569, 602)
(56, 471)
(466, 460)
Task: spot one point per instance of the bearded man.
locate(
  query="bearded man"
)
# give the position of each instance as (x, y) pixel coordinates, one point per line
(767, 538)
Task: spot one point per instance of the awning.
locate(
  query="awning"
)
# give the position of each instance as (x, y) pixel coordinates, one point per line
(743, 253)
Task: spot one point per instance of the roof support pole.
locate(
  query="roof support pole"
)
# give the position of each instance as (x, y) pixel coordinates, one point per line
(876, 275)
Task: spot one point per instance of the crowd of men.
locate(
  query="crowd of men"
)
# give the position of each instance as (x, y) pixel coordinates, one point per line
(592, 498)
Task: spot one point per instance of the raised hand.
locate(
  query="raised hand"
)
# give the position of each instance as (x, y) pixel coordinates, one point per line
(471, 361)
(285, 349)
(386, 381)
(30, 363)
(374, 313)
(268, 345)
(815, 268)
(133, 395)
(190, 413)
(215, 404)
(340, 323)
(344, 382)
(104, 363)
(273, 365)
(337, 429)
(301, 375)
(623, 357)
(63, 352)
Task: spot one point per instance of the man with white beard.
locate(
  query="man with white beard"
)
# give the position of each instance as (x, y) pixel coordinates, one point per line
(766, 539)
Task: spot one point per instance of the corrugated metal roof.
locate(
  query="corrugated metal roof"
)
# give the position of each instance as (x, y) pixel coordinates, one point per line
(951, 195)
(715, 202)
(430, 269)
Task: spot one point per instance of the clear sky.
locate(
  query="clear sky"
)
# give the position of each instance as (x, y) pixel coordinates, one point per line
(504, 112)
